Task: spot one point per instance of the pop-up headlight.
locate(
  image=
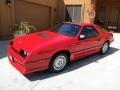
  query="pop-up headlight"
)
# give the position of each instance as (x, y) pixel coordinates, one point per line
(24, 53)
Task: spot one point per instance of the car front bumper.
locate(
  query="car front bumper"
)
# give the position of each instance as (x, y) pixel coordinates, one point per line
(26, 67)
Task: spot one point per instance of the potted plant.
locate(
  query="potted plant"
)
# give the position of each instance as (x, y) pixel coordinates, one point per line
(23, 28)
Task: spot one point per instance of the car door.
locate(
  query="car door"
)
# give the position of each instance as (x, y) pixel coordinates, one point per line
(88, 42)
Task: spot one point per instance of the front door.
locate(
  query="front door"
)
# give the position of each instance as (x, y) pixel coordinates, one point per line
(89, 44)
(114, 18)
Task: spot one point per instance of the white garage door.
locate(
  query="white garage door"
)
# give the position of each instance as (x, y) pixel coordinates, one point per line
(36, 14)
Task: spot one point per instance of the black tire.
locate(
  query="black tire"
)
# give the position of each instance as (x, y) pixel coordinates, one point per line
(54, 59)
(103, 50)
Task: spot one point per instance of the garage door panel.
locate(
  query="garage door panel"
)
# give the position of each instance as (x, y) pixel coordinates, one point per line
(36, 14)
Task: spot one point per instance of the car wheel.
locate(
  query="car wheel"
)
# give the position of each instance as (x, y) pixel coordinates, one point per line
(59, 62)
(105, 48)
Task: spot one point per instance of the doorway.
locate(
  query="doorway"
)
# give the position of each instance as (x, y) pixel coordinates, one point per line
(114, 18)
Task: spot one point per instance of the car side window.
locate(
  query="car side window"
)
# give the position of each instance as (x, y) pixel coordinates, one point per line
(89, 32)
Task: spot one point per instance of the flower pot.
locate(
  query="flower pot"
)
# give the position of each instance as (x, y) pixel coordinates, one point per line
(19, 33)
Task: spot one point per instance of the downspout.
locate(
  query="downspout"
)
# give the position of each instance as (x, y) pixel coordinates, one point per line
(83, 11)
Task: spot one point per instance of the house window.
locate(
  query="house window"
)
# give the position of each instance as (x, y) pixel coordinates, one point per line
(73, 13)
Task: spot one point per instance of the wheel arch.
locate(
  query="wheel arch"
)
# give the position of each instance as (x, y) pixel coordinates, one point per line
(62, 51)
(107, 41)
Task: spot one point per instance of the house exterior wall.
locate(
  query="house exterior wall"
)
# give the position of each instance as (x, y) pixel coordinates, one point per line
(7, 15)
(58, 11)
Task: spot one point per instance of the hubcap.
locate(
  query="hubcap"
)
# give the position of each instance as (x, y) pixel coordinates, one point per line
(105, 47)
(59, 63)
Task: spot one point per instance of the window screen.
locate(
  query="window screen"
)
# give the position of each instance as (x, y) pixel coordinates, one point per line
(73, 13)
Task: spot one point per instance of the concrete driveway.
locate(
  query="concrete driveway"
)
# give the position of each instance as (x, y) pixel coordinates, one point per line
(97, 72)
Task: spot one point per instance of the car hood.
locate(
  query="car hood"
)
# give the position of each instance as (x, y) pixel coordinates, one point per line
(32, 41)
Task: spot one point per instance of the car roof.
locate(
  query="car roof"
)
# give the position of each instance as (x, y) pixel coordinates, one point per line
(81, 24)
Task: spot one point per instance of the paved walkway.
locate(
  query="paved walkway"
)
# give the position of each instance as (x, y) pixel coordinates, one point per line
(96, 72)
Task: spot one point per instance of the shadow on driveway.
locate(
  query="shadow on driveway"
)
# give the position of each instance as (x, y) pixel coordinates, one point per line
(3, 49)
(73, 66)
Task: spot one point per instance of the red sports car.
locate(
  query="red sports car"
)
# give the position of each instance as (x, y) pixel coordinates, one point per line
(54, 48)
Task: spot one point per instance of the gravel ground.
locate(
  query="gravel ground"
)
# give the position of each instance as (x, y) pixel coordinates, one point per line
(97, 72)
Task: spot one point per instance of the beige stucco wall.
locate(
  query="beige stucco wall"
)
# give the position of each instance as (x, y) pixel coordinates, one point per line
(73, 2)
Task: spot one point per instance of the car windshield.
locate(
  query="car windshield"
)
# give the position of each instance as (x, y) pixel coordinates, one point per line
(66, 29)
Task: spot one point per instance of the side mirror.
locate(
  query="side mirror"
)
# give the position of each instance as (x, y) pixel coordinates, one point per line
(82, 37)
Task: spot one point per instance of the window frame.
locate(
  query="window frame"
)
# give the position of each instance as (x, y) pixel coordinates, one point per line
(89, 37)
